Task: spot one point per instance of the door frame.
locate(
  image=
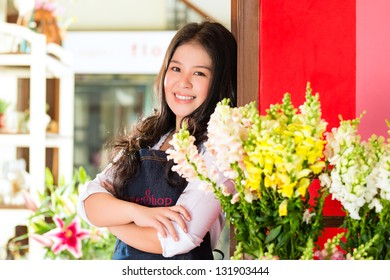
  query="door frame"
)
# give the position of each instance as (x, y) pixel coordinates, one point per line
(245, 27)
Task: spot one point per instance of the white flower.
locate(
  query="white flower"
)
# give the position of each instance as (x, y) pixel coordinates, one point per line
(307, 216)
(250, 195)
(325, 180)
(225, 132)
(235, 198)
(357, 173)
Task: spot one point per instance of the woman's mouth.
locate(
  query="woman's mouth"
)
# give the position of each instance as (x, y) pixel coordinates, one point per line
(184, 97)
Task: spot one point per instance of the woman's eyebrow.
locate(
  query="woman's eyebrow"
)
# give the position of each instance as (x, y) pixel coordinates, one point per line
(196, 66)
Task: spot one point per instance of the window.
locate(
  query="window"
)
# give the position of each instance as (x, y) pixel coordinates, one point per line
(105, 104)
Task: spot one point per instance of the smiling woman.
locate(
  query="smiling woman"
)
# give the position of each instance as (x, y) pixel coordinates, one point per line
(198, 71)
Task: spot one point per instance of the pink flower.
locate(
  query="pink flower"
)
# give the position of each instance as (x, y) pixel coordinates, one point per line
(320, 255)
(41, 239)
(338, 255)
(67, 237)
(29, 201)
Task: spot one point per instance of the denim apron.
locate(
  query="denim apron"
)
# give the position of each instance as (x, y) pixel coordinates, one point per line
(150, 188)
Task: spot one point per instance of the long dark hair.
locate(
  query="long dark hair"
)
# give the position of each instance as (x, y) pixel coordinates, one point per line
(221, 46)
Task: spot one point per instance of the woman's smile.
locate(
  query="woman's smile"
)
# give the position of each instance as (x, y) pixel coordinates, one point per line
(184, 97)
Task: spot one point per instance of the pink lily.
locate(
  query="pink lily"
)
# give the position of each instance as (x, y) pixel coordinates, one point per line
(67, 237)
(41, 239)
(29, 201)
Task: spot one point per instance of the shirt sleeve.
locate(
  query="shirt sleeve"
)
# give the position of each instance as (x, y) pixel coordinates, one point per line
(90, 188)
(206, 216)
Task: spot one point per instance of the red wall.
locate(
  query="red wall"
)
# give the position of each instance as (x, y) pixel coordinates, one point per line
(373, 65)
(314, 41)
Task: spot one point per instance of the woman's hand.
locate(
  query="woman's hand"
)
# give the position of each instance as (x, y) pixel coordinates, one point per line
(162, 218)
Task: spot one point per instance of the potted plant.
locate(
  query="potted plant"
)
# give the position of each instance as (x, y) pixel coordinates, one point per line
(3, 107)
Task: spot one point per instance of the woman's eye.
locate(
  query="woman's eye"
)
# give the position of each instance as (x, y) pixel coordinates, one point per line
(175, 69)
(199, 74)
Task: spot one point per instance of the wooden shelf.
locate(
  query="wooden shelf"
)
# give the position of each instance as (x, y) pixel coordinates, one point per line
(25, 140)
(42, 76)
(12, 207)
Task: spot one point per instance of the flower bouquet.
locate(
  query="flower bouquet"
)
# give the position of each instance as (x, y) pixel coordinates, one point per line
(55, 225)
(358, 175)
(272, 160)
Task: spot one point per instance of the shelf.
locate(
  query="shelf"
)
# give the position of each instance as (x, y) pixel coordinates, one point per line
(12, 207)
(30, 81)
(29, 76)
(15, 59)
(57, 140)
(26, 140)
(21, 140)
(20, 64)
(57, 61)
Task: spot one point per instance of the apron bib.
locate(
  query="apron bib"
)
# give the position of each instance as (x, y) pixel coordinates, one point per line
(150, 188)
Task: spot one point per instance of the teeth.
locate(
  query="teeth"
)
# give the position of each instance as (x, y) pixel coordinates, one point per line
(182, 97)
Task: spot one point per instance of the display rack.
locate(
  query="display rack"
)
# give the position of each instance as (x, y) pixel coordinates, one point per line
(42, 62)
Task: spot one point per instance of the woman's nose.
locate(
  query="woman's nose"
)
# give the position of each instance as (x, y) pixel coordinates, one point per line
(185, 81)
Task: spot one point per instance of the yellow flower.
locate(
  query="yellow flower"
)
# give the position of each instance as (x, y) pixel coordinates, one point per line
(286, 186)
(317, 167)
(303, 150)
(269, 181)
(292, 166)
(269, 165)
(303, 185)
(254, 157)
(303, 173)
(254, 177)
(298, 137)
(283, 208)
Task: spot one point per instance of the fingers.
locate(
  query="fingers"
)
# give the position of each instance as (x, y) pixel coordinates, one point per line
(168, 225)
(174, 214)
(161, 229)
(163, 219)
(165, 226)
(183, 211)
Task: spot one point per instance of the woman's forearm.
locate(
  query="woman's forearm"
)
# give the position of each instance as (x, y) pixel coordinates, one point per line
(105, 210)
(141, 238)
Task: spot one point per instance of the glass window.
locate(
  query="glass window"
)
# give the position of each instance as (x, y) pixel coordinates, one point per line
(105, 104)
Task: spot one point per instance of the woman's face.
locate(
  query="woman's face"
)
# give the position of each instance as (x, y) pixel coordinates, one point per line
(187, 79)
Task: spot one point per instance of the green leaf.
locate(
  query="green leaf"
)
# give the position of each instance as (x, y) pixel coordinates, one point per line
(282, 240)
(49, 179)
(273, 234)
(62, 181)
(83, 177)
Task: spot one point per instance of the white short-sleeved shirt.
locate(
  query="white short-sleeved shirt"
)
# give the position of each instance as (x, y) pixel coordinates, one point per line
(204, 208)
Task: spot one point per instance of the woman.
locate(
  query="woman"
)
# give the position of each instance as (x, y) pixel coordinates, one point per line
(153, 212)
